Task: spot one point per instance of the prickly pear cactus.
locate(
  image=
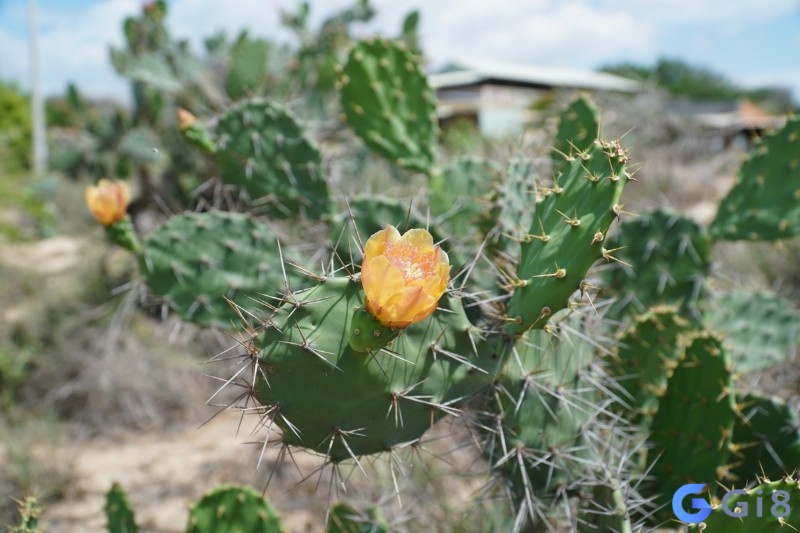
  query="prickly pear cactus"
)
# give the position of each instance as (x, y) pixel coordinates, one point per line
(119, 512)
(388, 103)
(460, 193)
(691, 432)
(664, 257)
(344, 519)
(578, 127)
(605, 510)
(195, 261)
(766, 438)
(646, 357)
(262, 149)
(760, 329)
(765, 202)
(544, 404)
(768, 507)
(342, 403)
(233, 510)
(567, 235)
(29, 513)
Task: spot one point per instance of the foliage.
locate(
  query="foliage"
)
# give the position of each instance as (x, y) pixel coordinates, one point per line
(15, 129)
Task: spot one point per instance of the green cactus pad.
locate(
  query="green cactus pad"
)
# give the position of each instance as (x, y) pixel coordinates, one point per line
(262, 148)
(344, 519)
(388, 103)
(646, 356)
(578, 127)
(766, 438)
(343, 403)
(566, 235)
(513, 200)
(664, 257)
(765, 202)
(545, 404)
(233, 510)
(194, 261)
(119, 512)
(768, 511)
(760, 329)
(248, 70)
(691, 432)
(460, 193)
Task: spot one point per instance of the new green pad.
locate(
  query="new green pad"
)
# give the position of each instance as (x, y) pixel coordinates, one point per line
(388, 103)
(263, 149)
(765, 202)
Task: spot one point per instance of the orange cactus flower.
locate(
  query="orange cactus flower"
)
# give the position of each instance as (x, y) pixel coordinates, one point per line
(403, 277)
(108, 200)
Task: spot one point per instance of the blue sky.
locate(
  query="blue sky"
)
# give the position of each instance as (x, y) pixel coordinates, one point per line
(753, 42)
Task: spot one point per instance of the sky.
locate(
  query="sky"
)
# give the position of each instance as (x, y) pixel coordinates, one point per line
(752, 42)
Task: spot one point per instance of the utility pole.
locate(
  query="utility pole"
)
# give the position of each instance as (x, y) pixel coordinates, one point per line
(37, 99)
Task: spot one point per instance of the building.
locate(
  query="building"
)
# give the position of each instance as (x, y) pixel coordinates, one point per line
(499, 97)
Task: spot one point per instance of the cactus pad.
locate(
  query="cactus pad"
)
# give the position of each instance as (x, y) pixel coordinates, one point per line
(119, 512)
(578, 127)
(388, 103)
(233, 510)
(760, 329)
(460, 192)
(765, 202)
(194, 261)
(263, 149)
(344, 519)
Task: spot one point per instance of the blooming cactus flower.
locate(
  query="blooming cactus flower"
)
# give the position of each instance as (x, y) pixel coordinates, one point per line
(108, 200)
(403, 277)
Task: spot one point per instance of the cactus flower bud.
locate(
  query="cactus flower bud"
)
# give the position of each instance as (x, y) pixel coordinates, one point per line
(185, 119)
(108, 200)
(403, 277)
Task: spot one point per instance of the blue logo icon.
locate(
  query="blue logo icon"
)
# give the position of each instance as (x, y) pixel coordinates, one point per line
(699, 504)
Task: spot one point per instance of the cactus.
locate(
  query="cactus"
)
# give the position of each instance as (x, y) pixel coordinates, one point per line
(342, 518)
(248, 69)
(765, 202)
(578, 127)
(605, 510)
(691, 432)
(233, 510)
(567, 234)
(344, 403)
(645, 358)
(766, 508)
(544, 405)
(663, 258)
(262, 149)
(760, 329)
(460, 192)
(388, 103)
(766, 438)
(195, 261)
(119, 512)
(512, 201)
(29, 513)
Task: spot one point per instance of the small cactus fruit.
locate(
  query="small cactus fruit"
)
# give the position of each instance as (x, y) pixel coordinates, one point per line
(768, 507)
(765, 203)
(326, 396)
(766, 438)
(194, 131)
(108, 200)
(567, 234)
(691, 432)
(403, 276)
(388, 103)
(664, 258)
(233, 510)
(761, 329)
(119, 512)
(263, 149)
